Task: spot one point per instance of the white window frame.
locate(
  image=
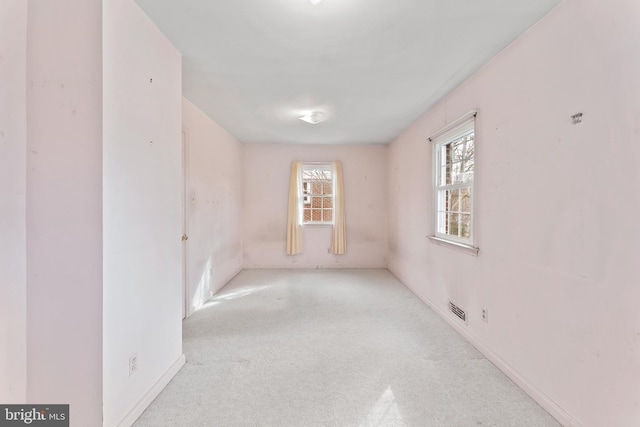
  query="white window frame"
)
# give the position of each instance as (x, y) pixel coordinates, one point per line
(326, 166)
(460, 128)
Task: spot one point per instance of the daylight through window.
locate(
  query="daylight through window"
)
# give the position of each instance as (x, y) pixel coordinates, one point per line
(454, 151)
(317, 194)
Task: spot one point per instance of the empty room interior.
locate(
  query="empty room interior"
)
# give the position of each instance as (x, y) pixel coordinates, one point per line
(327, 213)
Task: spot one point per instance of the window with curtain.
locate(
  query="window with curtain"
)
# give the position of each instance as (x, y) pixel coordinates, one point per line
(316, 196)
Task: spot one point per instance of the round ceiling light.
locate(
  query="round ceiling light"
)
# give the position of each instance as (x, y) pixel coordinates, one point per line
(314, 117)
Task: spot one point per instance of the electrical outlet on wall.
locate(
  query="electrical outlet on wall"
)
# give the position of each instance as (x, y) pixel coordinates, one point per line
(133, 364)
(485, 315)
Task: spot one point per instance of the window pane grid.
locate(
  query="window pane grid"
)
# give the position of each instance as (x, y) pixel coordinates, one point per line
(317, 192)
(454, 166)
(456, 161)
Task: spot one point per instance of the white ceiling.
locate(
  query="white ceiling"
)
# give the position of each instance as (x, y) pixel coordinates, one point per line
(373, 66)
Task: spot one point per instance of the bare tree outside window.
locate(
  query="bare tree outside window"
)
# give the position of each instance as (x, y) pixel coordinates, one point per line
(459, 162)
(454, 162)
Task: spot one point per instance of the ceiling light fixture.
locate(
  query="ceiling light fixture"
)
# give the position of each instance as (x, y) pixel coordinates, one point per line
(314, 117)
(315, 2)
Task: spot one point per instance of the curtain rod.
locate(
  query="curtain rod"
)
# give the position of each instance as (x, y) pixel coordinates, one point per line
(470, 114)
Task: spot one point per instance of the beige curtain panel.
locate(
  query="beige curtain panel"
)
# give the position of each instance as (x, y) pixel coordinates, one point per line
(339, 237)
(294, 226)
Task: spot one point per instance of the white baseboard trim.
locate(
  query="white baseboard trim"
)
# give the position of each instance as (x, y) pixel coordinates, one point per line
(316, 266)
(146, 400)
(549, 405)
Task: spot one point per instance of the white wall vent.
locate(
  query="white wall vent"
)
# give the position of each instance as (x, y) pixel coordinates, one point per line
(458, 311)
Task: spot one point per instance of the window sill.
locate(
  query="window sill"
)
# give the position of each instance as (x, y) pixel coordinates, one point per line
(317, 224)
(471, 250)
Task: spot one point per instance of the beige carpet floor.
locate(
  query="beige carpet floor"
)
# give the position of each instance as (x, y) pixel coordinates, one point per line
(332, 348)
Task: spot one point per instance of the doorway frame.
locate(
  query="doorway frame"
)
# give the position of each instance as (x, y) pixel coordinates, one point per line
(186, 292)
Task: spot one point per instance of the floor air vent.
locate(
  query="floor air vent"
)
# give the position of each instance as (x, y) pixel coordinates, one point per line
(459, 312)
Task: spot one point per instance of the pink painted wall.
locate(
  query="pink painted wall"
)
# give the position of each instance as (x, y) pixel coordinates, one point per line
(214, 207)
(266, 191)
(556, 204)
(13, 151)
(64, 206)
(142, 209)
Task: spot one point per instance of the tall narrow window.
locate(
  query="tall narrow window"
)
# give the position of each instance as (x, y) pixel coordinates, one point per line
(454, 164)
(317, 194)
